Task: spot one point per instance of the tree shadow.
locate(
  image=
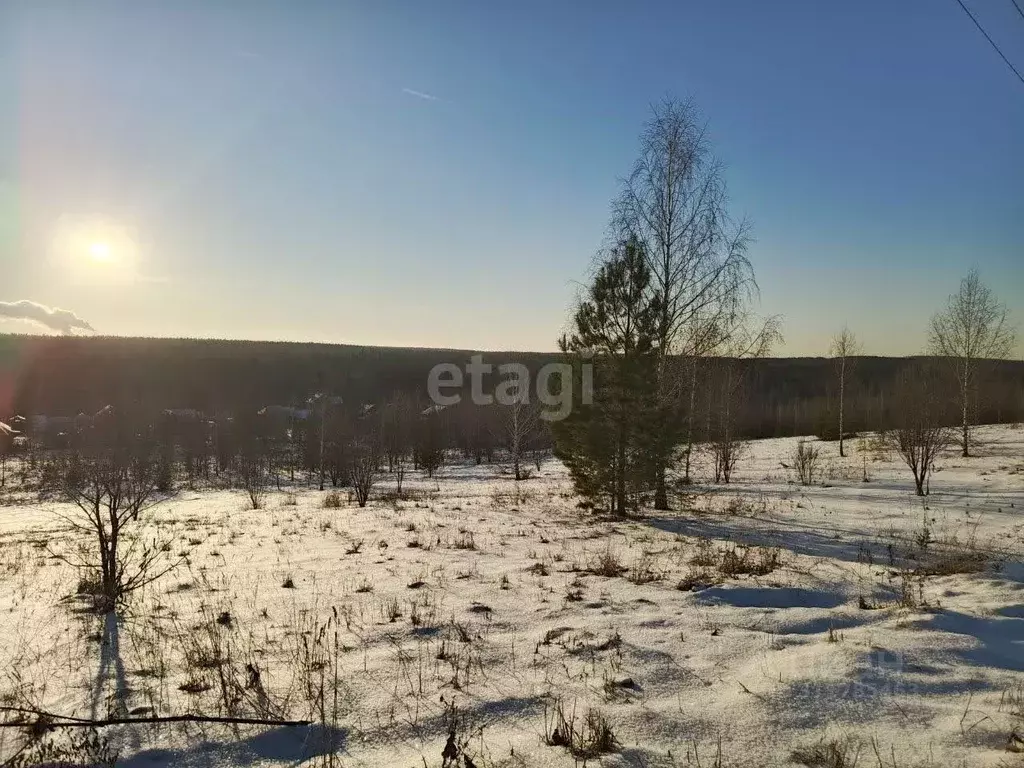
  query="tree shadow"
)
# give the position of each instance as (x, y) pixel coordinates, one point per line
(279, 745)
(770, 597)
(110, 676)
(799, 538)
(111, 671)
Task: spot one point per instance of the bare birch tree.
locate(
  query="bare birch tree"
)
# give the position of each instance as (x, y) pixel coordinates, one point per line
(974, 326)
(843, 349)
(675, 203)
(517, 423)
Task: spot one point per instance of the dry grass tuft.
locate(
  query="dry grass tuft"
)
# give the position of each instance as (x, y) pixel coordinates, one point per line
(584, 740)
(757, 561)
(607, 564)
(837, 753)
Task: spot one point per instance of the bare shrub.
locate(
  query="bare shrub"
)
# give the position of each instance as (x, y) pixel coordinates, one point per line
(606, 563)
(430, 440)
(365, 460)
(920, 435)
(111, 488)
(805, 461)
(254, 477)
(705, 554)
(726, 453)
(333, 500)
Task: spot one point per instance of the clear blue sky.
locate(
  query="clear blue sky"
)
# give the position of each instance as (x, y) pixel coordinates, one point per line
(440, 173)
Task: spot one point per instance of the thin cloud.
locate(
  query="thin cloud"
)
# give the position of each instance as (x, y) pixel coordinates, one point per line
(60, 320)
(420, 94)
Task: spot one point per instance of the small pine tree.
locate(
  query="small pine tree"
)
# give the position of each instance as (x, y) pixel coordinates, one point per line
(611, 445)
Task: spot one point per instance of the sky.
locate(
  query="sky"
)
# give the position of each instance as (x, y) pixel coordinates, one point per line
(435, 173)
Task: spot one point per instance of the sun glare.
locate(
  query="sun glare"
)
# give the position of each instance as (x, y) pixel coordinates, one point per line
(94, 250)
(100, 252)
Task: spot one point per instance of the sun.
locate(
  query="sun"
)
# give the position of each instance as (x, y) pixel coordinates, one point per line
(100, 251)
(94, 251)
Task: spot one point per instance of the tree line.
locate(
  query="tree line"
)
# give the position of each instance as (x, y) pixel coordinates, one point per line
(66, 376)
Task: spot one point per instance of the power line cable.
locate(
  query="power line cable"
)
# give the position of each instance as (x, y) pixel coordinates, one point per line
(1019, 9)
(990, 40)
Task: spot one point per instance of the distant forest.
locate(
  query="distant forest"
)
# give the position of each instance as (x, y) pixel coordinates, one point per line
(64, 376)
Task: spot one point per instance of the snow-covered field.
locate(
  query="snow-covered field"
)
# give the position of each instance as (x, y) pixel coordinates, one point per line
(503, 602)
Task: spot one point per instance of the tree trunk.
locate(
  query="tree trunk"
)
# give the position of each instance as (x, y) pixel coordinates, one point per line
(689, 419)
(966, 433)
(964, 394)
(620, 474)
(842, 388)
(661, 483)
(661, 491)
(660, 488)
(919, 468)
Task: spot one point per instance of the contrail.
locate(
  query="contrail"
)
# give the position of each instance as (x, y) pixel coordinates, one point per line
(60, 320)
(420, 94)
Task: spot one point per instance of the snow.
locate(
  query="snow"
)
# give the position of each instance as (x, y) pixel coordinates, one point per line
(840, 642)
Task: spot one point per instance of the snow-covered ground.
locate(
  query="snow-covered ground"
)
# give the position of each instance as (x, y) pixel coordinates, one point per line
(503, 600)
